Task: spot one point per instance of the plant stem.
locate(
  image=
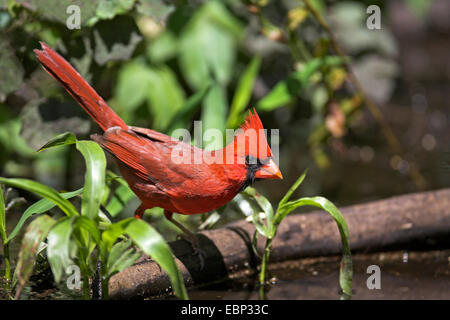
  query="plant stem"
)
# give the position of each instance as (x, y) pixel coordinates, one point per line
(264, 263)
(104, 280)
(7, 265)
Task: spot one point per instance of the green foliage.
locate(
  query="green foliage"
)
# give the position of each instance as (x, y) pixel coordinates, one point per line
(267, 222)
(81, 237)
(36, 233)
(286, 90)
(39, 207)
(243, 92)
(94, 183)
(213, 115)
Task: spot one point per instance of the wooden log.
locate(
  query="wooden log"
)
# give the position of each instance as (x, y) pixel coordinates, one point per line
(392, 223)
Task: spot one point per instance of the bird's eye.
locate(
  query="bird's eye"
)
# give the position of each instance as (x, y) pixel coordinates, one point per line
(251, 160)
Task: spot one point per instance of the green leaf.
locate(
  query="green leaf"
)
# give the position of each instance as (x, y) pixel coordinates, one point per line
(286, 90)
(94, 184)
(165, 96)
(266, 206)
(293, 188)
(243, 92)
(192, 62)
(10, 138)
(221, 53)
(214, 117)
(208, 45)
(259, 224)
(58, 250)
(151, 242)
(56, 10)
(108, 9)
(210, 221)
(158, 10)
(346, 272)
(43, 191)
(242, 201)
(36, 233)
(122, 195)
(62, 139)
(182, 118)
(2, 217)
(39, 207)
(122, 255)
(113, 232)
(90, 226)
(164, 47)
(248, 206)
(132, 87)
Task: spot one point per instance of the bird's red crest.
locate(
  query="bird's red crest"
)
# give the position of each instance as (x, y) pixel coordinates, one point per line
(255, 138)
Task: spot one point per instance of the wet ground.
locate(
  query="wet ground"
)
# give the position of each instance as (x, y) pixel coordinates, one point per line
(403, 275)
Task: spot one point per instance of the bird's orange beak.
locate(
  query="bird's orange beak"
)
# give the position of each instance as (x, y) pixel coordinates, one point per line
(269, 171)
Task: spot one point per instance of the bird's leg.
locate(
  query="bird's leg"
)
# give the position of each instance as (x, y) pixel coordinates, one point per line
(189, 236)
(139, 213)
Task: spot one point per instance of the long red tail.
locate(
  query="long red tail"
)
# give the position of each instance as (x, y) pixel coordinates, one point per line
(79, 89)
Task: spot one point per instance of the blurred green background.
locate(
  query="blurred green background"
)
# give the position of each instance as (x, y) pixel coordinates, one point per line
(163, 64)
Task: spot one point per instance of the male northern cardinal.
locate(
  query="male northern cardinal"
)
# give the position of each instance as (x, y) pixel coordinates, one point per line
(144, 156)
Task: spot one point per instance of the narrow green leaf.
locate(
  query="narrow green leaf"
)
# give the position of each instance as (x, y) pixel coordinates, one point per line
(214, 117)
(182, 118)
(2, 217)
(107, 9)
(90, 226)
(132, 87)
(243, 92)
(94, 181)
(113, 232)
(164, 47)
(62, 139)
(286, 90)
(39, 207)
(36, 233)
(266, 206)
(255, 244)
(58, 250)
(210, 221)
(122, 255)
(165, 96)
(293, 188)
(122, 195)
(153, 244)
(346, 272)
(259, 224)
(43, 191)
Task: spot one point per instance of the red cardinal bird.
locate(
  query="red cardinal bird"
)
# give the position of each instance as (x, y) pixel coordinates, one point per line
(145, 157)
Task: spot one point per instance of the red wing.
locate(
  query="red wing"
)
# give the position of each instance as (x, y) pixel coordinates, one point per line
(151, 160)
(152, 134)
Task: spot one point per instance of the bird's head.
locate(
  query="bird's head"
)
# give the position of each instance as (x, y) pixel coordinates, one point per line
(251, 148)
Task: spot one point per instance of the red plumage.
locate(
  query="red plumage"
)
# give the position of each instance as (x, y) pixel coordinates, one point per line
(145, 160)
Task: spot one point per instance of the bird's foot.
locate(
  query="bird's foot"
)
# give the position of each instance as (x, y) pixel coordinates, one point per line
(195, 244)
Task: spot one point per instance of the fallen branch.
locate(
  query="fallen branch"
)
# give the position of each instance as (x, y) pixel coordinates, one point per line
(380, 225)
